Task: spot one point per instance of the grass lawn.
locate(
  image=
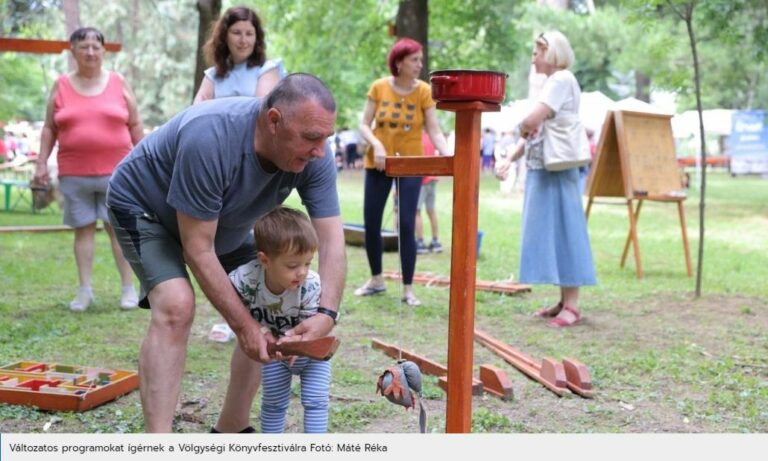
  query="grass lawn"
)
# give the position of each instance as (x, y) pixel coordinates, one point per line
(660, 359)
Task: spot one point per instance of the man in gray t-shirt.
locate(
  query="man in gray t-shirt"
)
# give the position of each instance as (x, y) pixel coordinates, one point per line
(189, 194)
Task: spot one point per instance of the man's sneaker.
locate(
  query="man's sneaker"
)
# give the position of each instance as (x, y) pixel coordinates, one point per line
(421, 248)
(82, 299)
(129, 298)
(435, 247)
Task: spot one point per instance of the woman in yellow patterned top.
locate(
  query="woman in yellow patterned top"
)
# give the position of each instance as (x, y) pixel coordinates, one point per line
(398, 109)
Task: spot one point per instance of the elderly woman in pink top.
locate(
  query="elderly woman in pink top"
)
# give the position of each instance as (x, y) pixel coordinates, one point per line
(92, 114)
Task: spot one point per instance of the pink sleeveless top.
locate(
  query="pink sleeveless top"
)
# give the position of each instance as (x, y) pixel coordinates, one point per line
(93, 131)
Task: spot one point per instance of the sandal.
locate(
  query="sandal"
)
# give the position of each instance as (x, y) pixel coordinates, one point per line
(547, 312)
(411, 300)
(565, 321)
(369, 289)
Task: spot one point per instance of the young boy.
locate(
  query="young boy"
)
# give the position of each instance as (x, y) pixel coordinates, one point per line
(280, 291)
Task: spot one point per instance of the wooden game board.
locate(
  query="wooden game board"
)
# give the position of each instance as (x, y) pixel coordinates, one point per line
(63, 387)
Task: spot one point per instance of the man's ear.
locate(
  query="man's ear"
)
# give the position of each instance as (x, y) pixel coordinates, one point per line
(273, 118)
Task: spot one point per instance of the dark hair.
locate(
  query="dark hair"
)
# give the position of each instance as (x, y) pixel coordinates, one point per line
(400, 50)
(299, 87)
(82, 33)
(285, 231)
(216, 49)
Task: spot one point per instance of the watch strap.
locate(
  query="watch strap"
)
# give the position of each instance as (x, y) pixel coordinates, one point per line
(330, 313)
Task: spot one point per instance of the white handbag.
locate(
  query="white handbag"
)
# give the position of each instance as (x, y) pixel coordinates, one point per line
(565, 143)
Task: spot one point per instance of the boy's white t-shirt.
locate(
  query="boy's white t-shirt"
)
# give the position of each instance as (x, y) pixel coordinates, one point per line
(278, 312)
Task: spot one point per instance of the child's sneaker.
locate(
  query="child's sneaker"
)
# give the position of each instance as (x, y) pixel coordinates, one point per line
(435, 247)
(421, 248)
(129, 298)
(82, 299)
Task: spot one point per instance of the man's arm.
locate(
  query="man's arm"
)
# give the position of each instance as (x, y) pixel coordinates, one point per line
(197, 240)
(332, 268)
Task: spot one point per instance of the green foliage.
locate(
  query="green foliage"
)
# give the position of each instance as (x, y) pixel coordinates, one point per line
(345, 42)
(355, 416)
(27, 99)
(484, 420)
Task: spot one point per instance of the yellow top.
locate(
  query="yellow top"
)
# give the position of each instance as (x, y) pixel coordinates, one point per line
(399, 119)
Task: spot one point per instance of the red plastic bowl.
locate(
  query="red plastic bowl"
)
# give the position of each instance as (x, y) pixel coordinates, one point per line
(468, 85)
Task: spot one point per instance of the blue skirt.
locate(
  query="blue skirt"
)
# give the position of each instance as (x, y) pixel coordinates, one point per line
(555, 245)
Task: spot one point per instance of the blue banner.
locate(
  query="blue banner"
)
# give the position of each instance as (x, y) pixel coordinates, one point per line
(748, 144)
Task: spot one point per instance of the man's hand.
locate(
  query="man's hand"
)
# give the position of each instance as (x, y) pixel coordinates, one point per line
(254, 343)
(314, 327)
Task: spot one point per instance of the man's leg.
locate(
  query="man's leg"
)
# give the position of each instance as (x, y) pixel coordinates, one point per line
(244, 381)
(164, 352)
(126, 273)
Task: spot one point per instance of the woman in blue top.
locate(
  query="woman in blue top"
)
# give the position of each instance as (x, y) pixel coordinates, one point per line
(238, 51)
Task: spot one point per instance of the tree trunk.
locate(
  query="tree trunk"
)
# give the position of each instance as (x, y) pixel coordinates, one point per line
(413, 22)
(71, 23)
(209, 11)
(133, 70)
(642, 87)
(697, 80)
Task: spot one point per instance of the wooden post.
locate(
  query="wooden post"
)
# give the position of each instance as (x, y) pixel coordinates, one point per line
(461, 317)
(465, 168)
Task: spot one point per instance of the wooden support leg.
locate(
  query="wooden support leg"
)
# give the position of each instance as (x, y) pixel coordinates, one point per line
(553, 372)
(629, 234)
(589, 207)
(633, 237)
(687, 250)
(496, 382)
(577, 377)
(477, 386)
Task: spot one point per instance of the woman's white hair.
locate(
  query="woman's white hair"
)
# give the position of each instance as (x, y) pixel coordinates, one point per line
(559, 52)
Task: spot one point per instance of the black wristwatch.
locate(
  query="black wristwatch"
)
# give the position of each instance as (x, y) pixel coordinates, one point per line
(330, 313)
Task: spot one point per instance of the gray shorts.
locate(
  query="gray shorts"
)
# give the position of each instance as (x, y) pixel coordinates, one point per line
(427, 196)
(84, 199)
(155, 253)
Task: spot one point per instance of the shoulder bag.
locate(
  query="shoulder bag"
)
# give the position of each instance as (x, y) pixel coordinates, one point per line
(565, 143)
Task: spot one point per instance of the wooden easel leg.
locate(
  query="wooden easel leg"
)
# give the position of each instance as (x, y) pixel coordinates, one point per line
(632, 237)
(684, 230)
(633, 215)
(629, 234)
(589, 207)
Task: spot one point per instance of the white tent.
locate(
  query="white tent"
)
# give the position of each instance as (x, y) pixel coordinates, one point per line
(592, 109)
(716, 122)
(507, 119)
(636, 105)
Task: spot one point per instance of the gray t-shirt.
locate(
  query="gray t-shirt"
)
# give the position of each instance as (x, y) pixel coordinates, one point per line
(203, 164)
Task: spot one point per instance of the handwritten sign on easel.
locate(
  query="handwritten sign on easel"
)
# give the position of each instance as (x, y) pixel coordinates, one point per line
(636, 160)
